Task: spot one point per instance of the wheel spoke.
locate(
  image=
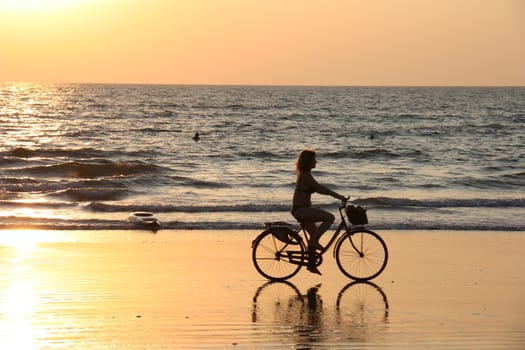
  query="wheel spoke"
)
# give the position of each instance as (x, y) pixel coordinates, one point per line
(362, 255)
(269, 260)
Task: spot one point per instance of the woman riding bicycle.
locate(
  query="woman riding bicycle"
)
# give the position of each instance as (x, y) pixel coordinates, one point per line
(302, 208)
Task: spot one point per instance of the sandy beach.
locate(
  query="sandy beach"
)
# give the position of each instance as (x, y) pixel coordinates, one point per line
(199, 290)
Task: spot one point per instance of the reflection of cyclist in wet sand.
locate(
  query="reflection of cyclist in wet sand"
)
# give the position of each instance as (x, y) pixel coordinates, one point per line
(302, 208)
(359, 315)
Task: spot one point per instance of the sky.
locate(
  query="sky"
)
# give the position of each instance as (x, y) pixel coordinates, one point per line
(264, 42)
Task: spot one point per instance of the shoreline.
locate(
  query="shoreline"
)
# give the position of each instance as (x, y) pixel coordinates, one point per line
(197, 289)
(256, 229)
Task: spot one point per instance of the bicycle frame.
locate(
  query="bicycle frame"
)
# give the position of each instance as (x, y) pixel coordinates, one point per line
(335, 235)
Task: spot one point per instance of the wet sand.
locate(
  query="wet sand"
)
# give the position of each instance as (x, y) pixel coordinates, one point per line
(199, 290)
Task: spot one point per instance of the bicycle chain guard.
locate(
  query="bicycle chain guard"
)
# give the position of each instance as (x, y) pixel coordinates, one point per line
(299, 258)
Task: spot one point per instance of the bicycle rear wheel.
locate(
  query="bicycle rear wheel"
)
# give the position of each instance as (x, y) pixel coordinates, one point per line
(361, 255)
(275, 259)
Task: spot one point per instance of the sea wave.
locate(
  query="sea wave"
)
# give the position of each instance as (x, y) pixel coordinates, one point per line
(22, 152)
(377, 152)
(376, 202)
(96, 200)
(387, 202)
(163, 208)
(91, 194)
(26, 184)
(14, 222)
(507, 181)
(89, 169)
(150, 130)
(67, 153)
(10, 204)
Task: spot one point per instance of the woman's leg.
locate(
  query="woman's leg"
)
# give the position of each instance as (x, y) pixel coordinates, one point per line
(308, 216)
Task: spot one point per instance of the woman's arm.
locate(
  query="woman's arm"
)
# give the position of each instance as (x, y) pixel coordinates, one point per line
(322, 189)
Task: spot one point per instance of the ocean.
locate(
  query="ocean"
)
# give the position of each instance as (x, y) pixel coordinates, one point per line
(83, 156)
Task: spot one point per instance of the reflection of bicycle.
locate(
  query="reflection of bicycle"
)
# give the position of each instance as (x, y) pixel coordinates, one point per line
(280, 251)
(361, 310)
(362, 303)
(277, 301)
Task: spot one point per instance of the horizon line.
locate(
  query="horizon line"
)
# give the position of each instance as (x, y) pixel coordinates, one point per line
(274, 85)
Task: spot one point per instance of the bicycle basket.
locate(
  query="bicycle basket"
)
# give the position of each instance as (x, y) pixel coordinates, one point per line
(357, 215)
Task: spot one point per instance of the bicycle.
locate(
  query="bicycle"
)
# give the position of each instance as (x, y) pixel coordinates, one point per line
(280, 251)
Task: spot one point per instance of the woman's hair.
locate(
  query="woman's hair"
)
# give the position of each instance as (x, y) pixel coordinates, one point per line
(305, 161)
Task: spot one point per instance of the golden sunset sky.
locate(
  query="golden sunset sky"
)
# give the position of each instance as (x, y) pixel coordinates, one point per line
(264, 42)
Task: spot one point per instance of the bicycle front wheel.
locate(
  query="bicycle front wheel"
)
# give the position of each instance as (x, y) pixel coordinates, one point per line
(275, 259)
(361, 255)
